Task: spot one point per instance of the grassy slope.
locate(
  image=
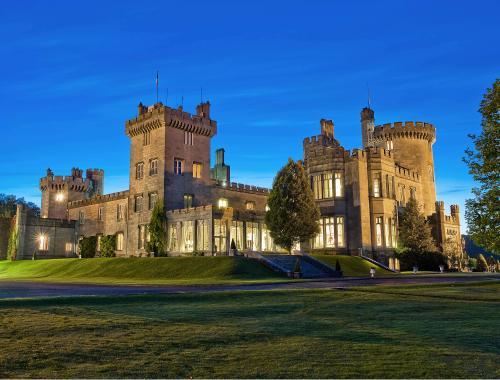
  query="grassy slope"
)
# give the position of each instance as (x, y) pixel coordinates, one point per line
(292, 334)
(170, 270)
(353, 266)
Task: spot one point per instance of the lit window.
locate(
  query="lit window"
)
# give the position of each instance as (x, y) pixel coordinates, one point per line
(153, 167)
(196, 170)
(153, 198)
(43, 242)
(267, 240)
(172, 237)
(250, 205)
(178, 166)
(68, 247)
(267, 208)
(202, 235)
(329, 232)
(316, 185)
(187, 233)
(328, 185)
(237, 234)
(138, 203)
(119, 241)
(220, 236)
(98, 244)
(222, 203)
(393, 233)
(81, 217)
(100, 212)
(340, 231)
(339, 185)
(319, 238)
(146, 138)
(252, 236)
(188, 138)
(376, 186)
(378, 230)
(139, 170)
(59, 197)
(188, 200)
(387, 232)
(389, 145)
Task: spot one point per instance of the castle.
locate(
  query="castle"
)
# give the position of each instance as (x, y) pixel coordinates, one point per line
(358, 192)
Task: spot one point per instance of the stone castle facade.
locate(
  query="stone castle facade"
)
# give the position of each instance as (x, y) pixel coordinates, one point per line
(358, 192)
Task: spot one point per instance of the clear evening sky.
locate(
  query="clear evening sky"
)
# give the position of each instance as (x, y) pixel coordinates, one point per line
(73, 72)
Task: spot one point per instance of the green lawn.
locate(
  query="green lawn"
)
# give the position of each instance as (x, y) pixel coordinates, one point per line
(316, 333)
(353, 266)
(167, 270)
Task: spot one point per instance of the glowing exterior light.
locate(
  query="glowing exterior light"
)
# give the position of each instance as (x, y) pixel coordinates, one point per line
(59, 197)
(267, 208)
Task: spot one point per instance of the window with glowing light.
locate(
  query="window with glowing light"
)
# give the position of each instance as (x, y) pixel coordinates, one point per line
(43, 242)
(222, 203)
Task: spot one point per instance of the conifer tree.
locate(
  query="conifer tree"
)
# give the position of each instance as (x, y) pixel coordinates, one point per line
(483, 211)
(293, 215)
(157, 229)
(414, 230)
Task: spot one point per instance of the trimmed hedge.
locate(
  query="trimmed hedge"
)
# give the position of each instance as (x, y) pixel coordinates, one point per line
(424, 261)
(87, 247)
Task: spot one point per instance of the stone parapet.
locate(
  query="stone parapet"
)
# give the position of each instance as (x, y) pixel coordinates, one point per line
(408, 129)
(99, 199)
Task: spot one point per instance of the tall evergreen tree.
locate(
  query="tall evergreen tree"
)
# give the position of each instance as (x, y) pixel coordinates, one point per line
(157, 229)
(483, 211)
(414, 230)
(293, 215)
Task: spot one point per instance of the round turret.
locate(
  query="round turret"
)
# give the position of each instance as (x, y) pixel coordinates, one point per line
(411, 146)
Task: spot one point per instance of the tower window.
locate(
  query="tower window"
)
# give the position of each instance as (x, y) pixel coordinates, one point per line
(339, 185)
(119, 241)
(146, 138)
(138, 203)
(316, 185)
(119, 212)
(81, 217)
(376, 186)
(178, 166)
(188, 138)
(379, 221)
(328, 185)
(153, 198)
(100, 212)
(139, 170)
(250, 205)
(153, 167)
(196, 170)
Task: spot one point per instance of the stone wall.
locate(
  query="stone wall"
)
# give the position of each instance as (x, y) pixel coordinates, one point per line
(4, 236)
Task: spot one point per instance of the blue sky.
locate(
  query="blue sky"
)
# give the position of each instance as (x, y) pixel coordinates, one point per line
(73, 72)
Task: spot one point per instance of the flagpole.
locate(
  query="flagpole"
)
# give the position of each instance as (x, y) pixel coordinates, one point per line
(157, 86)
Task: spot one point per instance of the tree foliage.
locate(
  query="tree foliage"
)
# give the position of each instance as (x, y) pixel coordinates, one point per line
(12, 243)
(107, 246)
(8, 205)
(157, 230)
(87, 247)
(414, 230)
(293, 215)
(483, 211)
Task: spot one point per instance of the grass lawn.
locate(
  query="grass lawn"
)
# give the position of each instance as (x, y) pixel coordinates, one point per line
(423, 332)
(353, 266)
(167, 270)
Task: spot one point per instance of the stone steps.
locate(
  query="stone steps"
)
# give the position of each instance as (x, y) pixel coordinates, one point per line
(308, 268)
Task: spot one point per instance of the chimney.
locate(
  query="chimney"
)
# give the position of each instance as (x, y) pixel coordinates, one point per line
(326, 128)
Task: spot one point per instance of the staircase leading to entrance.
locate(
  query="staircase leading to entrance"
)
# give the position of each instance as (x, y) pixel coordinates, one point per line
(309, 267)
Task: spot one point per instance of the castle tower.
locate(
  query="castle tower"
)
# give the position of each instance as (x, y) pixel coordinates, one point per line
(367, 126)
(221, 172)
(411, 146)
(57, 191)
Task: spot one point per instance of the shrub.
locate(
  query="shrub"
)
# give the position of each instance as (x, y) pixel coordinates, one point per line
(12, 244)
(423, 260)
(482, 264)
(108, 246)
(337, 266)
(87, 247)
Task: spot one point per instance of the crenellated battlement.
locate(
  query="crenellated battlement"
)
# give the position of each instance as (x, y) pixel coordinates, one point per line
(99, 199)
(319, 140)
(408, 129)
(159, 115)
(407, 173)
(190, 209)
(234, 186)
(74, 182)
(376, 152)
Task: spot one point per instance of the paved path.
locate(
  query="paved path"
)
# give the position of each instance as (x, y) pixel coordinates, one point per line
(24, 289)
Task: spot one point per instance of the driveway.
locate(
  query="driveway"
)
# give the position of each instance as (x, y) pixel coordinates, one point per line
(25, 289)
